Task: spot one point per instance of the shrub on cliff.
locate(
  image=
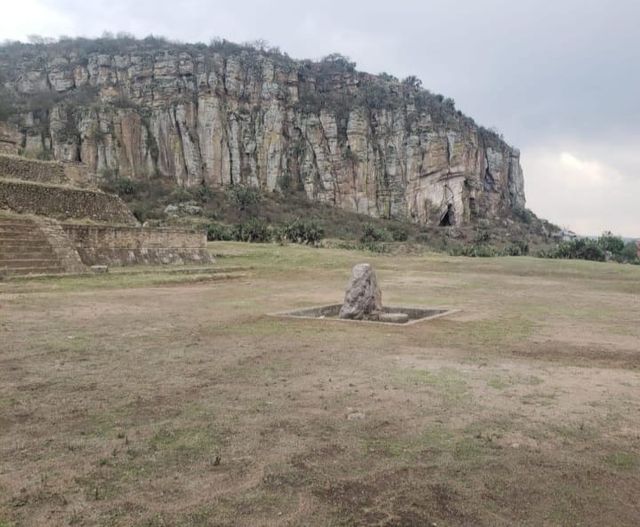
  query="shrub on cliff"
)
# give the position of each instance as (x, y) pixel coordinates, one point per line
(122, 186)
(337, 63)
(523, 215)
(243, 196)
(125, 186)
(289, 184)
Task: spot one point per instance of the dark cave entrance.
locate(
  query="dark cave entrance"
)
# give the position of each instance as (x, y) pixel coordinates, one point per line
(449, 217)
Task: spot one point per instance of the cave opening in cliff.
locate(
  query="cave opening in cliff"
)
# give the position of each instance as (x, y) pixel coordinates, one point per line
(448, 219)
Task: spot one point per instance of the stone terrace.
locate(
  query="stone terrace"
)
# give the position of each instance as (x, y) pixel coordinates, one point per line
(47, 226)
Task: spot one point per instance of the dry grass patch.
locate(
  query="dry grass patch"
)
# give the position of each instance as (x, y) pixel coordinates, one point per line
(131, 400)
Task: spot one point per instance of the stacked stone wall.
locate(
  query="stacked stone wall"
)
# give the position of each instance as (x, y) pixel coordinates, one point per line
(32, 170)
(111, 245)
(63, 203)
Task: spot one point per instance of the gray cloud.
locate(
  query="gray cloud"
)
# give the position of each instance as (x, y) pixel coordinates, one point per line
(555, 76)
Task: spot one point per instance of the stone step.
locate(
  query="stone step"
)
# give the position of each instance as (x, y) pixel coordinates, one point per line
(31, 271)
(18, 245)
(15, 221)
(25, 235)
(42, 255)
(32, 235)
(18, 226)
(27, 254)
(19, 263)
(25, 249)
(22, 229)
(4, 227)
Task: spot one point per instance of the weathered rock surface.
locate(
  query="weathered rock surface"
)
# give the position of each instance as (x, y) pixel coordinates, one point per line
(363, 297)
(216, 115)
(181, 209)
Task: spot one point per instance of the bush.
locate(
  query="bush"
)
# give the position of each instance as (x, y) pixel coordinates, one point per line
(254, 231)
(630, 253)
(518, 248)
(289, 184)
(375, 247)
(243, 196)
(123, 186)
(180, 195)
(144, 211)
(475, 251)
(606, 247)
(303, 232)
(219, 232)
(371, 233)
(524, 215)
(399, 233)
(580, 249)
(483, 236)
(613, 244)
(203, 194)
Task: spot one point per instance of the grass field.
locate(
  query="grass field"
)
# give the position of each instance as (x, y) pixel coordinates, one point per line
(174, 400)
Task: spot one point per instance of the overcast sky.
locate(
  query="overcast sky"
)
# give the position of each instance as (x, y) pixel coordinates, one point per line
(559, 78)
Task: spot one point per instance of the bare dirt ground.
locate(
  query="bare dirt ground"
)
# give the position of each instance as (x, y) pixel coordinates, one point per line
(175, 401)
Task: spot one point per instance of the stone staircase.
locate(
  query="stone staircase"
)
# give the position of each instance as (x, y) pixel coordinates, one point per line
(25, 249)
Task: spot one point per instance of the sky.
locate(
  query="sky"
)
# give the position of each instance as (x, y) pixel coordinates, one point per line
(559, 78)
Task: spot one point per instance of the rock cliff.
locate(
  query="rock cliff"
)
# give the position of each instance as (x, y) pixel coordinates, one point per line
(223, 114)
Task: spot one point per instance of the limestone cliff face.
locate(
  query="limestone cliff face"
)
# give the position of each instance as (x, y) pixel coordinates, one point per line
(219, 116)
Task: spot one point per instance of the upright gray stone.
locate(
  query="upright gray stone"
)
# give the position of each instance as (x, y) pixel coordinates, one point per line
(363, 297)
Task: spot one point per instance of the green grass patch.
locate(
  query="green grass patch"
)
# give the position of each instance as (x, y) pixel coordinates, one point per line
(115, 280)
(499, 383)
(436, 440)
(622, 460)
(185, 444)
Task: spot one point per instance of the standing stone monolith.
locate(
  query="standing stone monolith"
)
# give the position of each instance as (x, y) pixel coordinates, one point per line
(363, 298)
